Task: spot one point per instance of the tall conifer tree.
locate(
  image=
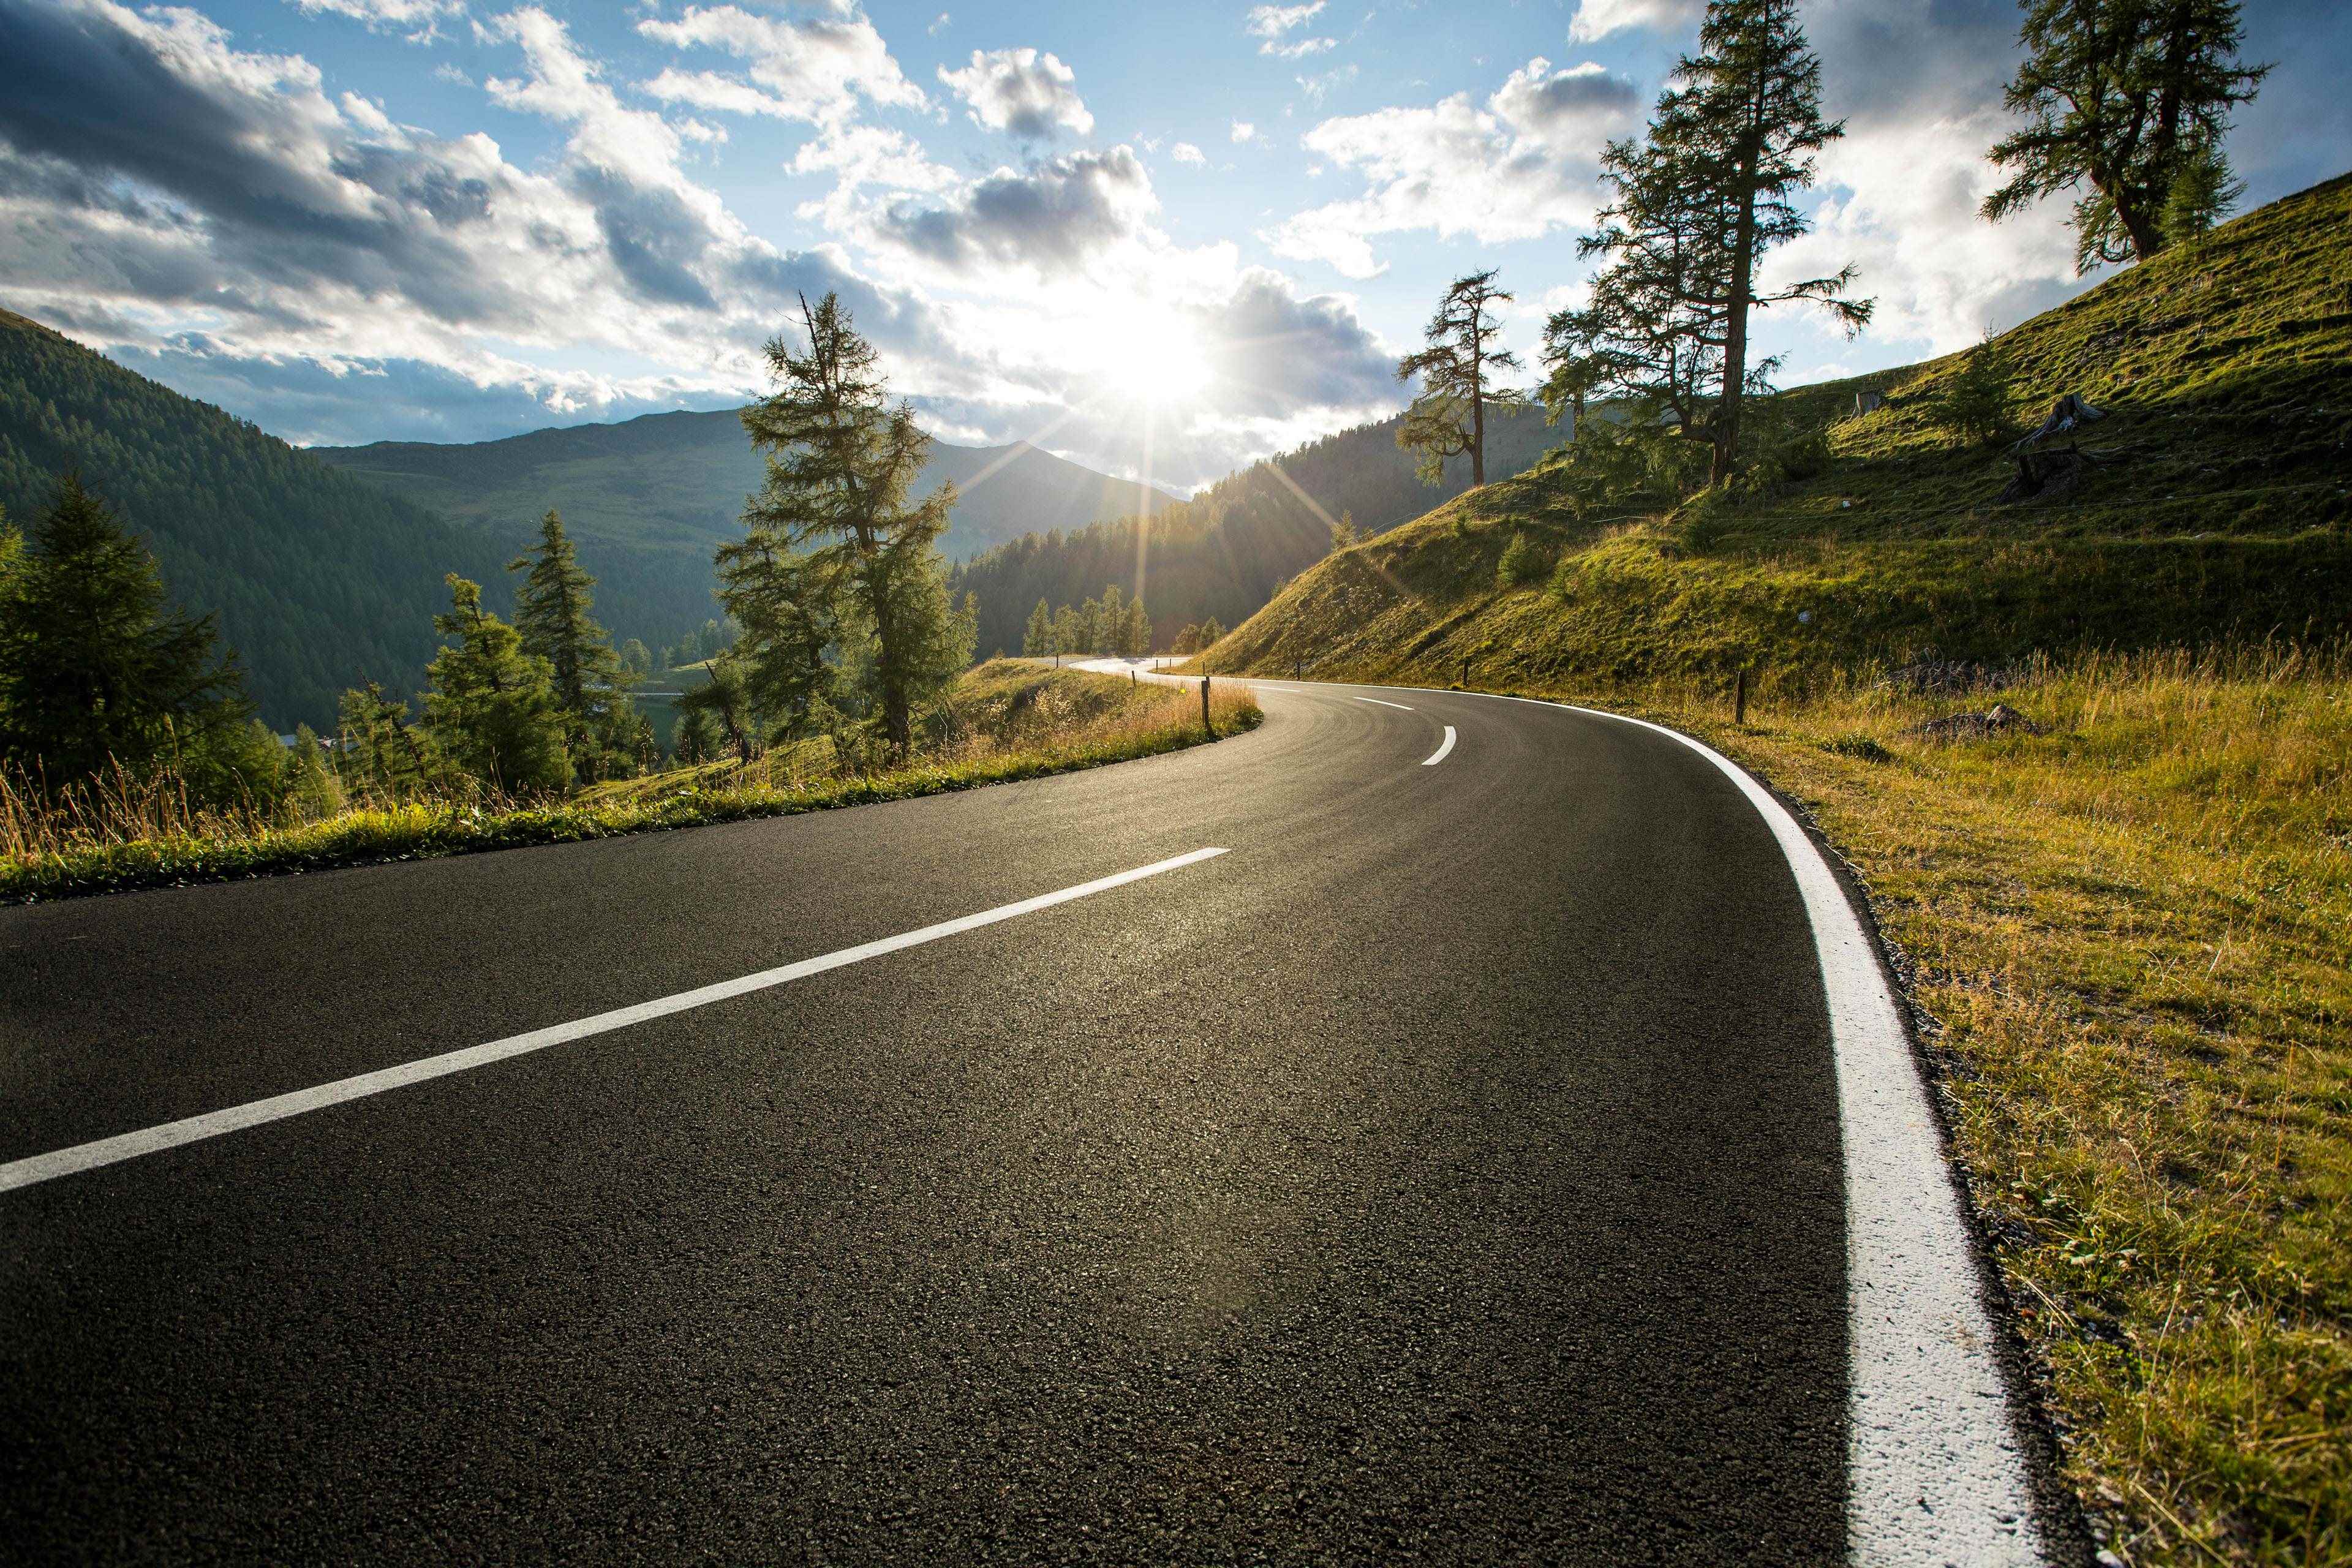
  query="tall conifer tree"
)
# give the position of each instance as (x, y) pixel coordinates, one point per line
(1456, 374)
(96, 668)
(552, 617)
(491, 708)
(1695, 208)
(841, 461)
(2131, 98)
(1039, 637)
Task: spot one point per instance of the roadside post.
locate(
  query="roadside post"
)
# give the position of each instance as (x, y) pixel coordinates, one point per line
(1739, 697)
(1205, 725)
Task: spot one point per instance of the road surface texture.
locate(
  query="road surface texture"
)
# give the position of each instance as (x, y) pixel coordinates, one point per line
(1450, 1171)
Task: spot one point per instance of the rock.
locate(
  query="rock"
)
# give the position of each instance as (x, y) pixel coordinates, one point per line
(1999, 718)
(1868, 403)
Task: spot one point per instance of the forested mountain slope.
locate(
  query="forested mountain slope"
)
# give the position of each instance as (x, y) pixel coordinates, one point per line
(320, 579)
(1226, 551)
(649, 500)
(2219, 509)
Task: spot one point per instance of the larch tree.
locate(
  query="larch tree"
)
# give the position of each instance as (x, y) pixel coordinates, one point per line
(1039, 639)
(2126, 101)
(491, 708)
(551, 616)
(841, 459)
(795, 615)
(1456, 371)
(1695, 208)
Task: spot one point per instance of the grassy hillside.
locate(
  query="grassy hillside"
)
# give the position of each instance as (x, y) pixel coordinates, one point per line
(649, 500)
(2226, 370)
(320, 579)
(1229, 550)
(2125, 923)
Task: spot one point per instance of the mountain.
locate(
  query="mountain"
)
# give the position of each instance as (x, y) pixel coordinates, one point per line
(320, 579)
(1227, 551)
(2212, 512)
(649, 500)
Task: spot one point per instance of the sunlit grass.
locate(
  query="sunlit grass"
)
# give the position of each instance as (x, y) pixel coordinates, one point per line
(1004, 722)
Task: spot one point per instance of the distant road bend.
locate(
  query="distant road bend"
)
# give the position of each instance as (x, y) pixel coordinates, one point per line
(1433, 1128)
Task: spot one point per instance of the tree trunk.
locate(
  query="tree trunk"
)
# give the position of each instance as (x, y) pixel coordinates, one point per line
(1743, 280)
(1477, 406)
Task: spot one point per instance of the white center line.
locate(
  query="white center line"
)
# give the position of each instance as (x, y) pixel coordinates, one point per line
(82, 1157)
(1438, 755)
(1383, 702)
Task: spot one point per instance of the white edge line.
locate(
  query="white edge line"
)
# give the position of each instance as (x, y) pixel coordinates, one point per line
(1383, 702)
(1935, 1475)
(1443, 746)
(36, 1168)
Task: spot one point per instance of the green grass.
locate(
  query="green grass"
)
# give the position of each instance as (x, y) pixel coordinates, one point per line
(1003, 722)
(2133, 931)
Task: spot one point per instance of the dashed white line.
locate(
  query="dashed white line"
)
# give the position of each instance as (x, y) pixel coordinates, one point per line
(1438, 755)
(1383, 702)
(82, 1157)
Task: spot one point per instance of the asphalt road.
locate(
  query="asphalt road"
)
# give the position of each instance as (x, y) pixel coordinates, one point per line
(1449, 1172)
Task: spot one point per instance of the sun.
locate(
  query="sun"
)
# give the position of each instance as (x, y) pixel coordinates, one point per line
(1151, 355)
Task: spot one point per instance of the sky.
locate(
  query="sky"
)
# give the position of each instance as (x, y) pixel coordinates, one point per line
(1161, 239)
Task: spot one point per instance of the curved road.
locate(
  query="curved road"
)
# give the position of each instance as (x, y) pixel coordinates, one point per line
(1453, 1170)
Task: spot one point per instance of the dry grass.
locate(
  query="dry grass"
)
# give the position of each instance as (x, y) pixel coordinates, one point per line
(2135, 931)
(1005, 722)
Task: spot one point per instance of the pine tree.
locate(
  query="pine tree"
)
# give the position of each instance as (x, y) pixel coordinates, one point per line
(1694, 210)
(841, 459)
(2129, 99)
(97, 668)
(1455, 371)
(378, 752)
(1343, 533)
(1135, 631)
(491, 708)
(636, 659)
(1211, 630)
(1039, 637)
(551, 616)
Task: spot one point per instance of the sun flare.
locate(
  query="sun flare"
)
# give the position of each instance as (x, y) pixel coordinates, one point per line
(1152, 357)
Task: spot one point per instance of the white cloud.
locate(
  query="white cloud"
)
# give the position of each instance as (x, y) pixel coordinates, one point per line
(420, 15)
(1514, 168)
(1185, 152)
(939, 26)
(812, 68)
(1319, 88)
(1031, 95)
(306, 257)
(1244, 131)
(1599, 18)
(1272, 25)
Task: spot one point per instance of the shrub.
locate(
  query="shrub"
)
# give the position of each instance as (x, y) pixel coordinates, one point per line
(1973, 402)
(1524, 564)
(1803, 456)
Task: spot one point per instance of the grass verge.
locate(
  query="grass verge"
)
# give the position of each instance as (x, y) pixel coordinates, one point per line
(1004, 723)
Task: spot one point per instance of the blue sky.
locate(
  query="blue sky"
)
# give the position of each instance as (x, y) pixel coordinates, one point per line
(1162, 239)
